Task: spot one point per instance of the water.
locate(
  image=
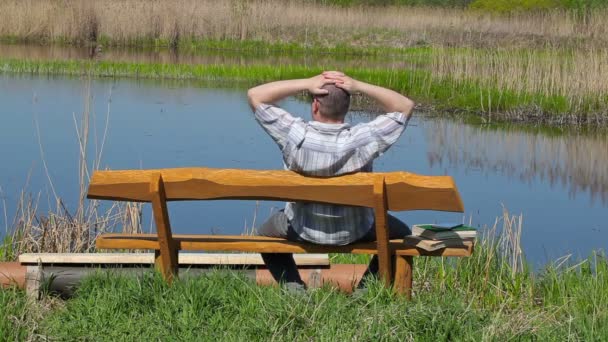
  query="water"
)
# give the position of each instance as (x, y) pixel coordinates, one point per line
(558, 182)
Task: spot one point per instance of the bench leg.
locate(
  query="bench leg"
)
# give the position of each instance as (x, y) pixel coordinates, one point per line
(382, 235)
(165, 258)
(167, 266)
(404, 272)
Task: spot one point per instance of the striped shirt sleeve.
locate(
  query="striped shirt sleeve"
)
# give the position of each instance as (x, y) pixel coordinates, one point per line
(277, 122)
(386, 129)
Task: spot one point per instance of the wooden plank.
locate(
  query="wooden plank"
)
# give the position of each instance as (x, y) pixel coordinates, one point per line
(262, 244)
(408, 191)
(382, 243)
(184, 259)
(405, 191)
(404, 274)
(86, 258)
(33, 280)
(166, 259)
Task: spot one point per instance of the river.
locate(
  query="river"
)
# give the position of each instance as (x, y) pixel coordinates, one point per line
(559, 182)
(557, 179)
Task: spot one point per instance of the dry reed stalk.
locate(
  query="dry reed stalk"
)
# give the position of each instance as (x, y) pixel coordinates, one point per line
(502, 243)
(63, 231)
(574, 74)
(293, 21)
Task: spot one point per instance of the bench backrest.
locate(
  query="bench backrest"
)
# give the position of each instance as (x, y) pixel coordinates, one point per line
(404, 191)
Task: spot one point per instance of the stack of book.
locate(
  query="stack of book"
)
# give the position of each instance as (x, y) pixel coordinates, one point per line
(432, 237)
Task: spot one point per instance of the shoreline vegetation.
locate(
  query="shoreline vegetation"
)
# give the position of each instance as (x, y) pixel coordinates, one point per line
(174, 23)
(441, 84)
(545, 64)
(492, 295)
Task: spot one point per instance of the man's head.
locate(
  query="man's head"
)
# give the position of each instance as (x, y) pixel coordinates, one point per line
(330, 107)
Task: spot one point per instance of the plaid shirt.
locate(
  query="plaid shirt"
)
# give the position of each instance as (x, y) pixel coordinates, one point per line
(320, 149)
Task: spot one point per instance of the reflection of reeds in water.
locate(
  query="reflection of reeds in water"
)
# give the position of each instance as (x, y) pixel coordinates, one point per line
(577, 161)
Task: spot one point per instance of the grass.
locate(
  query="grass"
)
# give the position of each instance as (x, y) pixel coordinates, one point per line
(14, 309)
(484, 297)
(443, 91)
(170, 22)
(502, 6)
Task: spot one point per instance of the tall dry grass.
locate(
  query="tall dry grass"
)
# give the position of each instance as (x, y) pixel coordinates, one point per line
(130, 21)
(59, 229)
(575, 74)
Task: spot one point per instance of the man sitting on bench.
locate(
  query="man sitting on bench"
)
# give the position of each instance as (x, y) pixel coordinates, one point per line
(327, 146)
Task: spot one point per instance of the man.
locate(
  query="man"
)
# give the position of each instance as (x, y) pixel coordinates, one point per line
(326, 146)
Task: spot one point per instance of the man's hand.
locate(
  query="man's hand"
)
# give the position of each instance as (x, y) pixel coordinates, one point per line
(275, 91)
(317, 82)
(390, 101)
(342, 81)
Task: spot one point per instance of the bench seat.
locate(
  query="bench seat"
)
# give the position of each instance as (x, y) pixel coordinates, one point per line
(262, 244)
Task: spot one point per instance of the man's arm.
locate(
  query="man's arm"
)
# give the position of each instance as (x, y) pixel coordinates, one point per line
(389, 100)
(275, 91)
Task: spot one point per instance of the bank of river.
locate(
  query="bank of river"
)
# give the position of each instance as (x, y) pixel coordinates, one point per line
(559, 182)
(509, 85)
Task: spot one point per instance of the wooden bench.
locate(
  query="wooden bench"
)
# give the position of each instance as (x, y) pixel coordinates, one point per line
(396, 191)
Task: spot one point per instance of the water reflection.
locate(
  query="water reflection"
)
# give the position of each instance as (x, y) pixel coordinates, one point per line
(576, 161)
(166, 56)
(154, 124)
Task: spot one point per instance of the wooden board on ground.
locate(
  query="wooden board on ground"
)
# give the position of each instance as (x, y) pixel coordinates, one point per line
(148, 258)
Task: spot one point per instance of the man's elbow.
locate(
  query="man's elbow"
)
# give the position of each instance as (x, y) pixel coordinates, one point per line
(252, 97)
(406, 107)
(409, 107)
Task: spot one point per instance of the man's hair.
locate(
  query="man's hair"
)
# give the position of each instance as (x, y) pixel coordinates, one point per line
(333, 105)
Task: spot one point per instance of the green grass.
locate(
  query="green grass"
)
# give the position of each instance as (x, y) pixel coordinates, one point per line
(438, 3)
(283, 48)
(477, 298)
(509, 6)
(442, 93)
(16, 314)
(7, 248)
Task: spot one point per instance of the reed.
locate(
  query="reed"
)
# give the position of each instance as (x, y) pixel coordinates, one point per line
(171, 22)
(427, 87)
(576, 73)
(60, 230)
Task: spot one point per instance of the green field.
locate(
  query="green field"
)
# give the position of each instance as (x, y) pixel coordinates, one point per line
(492, 295)
(480, 298)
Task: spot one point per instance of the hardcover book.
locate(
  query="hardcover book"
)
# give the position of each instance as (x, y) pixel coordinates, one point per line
(430, 231)
(433, 245)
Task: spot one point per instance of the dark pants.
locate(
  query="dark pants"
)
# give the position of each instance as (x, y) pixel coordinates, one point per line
(283, 267)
